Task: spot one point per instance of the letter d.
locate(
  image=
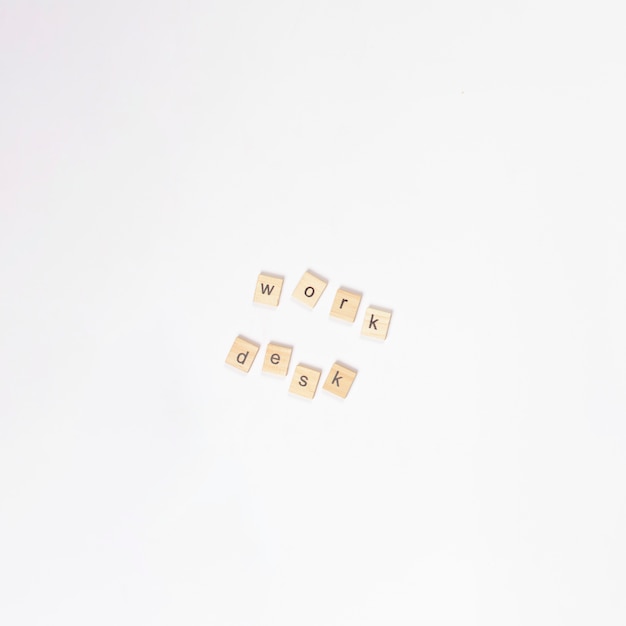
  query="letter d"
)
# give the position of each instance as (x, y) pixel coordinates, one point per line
(242, 356)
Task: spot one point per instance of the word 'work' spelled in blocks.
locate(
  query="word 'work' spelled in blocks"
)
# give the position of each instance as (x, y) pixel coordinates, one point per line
(277, 357)
(242, 354)
(340, 379)
(345, 305)
(309, 289)
(305, 380)
(268, 288)
(376, 323)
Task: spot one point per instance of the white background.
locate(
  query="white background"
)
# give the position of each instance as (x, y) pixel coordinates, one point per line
(460, 163)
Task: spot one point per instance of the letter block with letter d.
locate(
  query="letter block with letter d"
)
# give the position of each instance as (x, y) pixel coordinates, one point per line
(242, 354)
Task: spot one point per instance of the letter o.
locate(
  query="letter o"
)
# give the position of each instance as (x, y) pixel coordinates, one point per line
(306, 291)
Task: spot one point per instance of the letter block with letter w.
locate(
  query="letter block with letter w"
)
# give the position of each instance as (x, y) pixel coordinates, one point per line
(268, 288)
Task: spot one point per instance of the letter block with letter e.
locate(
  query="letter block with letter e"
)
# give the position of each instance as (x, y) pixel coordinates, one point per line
(309, 289)
(340, 379)
(304, 381)
(376, 323)
(277, 357)
(242, 354)
(268, 288)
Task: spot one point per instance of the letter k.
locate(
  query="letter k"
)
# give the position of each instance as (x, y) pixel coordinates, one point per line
(373, 322)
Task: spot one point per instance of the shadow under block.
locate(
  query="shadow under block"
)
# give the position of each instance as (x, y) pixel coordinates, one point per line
(376, 323)
(309, 289)
(305, 380)
(277, 359)
(345, 305)
(339, 380)
(242, 354)
(268, 289)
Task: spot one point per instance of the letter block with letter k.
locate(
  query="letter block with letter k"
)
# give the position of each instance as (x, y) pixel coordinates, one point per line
(376, 323)
(340, 379)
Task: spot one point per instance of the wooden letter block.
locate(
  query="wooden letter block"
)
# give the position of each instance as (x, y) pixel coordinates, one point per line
(376, 323)
(346, 305)
(309, 289)
(304, 381)
(339, 380)
(242, 354)
(277, 359)
(268, 289)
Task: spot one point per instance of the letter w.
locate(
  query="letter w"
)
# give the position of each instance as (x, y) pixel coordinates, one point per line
(267, 289)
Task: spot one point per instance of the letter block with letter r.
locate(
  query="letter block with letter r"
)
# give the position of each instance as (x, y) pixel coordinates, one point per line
(345, 305)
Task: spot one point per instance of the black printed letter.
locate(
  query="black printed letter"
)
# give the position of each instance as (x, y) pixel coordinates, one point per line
(336, 378)
(241, 360)
(275, 358)
(267, 289)
(373, 322)
(306, 291)
(342, 301)
(303, 381)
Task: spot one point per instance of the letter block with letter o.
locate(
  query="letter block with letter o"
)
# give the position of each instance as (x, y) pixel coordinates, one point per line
(242, 354)
(309, 289)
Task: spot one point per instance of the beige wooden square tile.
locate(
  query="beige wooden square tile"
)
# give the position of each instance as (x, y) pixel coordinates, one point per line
(340, 379)
(305, 380)
(345, 305)
(268, 288)
(242, 354)
(277, 357)
(309, 289)
(376, 323)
